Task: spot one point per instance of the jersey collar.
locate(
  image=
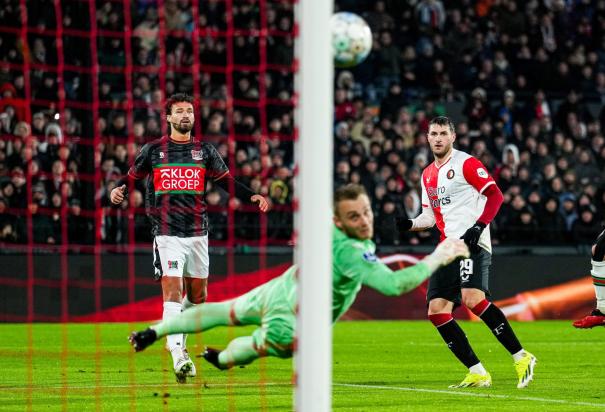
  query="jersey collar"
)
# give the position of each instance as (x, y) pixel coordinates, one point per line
(446, 161)
(178, 142)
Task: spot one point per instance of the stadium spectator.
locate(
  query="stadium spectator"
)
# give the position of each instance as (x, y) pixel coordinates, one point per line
(524, 82)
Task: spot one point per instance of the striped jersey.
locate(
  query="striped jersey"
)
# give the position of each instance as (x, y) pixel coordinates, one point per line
(177, 174)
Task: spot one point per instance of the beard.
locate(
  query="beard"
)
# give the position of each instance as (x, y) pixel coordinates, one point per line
(182, 127)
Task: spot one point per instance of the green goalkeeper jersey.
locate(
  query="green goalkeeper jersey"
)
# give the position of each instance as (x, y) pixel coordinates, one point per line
(355, 264)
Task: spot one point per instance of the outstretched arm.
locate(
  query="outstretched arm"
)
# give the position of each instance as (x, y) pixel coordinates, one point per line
(401, 281)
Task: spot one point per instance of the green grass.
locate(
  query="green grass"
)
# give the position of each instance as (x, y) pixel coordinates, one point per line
(378, 366)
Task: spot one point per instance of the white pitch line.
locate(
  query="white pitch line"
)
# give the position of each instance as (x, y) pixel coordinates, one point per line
(471, 394)
(158, 386)
(346, 385)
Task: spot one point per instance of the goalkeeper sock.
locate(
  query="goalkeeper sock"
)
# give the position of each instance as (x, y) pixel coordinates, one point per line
(171, 311)
(196, 319)
(240, 351)
(493, 317)
(455, 338)
(598, 279)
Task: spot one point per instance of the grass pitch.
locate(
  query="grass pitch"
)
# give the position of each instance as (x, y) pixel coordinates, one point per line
(378, 366)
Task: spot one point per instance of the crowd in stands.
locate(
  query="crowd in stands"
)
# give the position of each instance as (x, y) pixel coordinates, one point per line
(523, 80)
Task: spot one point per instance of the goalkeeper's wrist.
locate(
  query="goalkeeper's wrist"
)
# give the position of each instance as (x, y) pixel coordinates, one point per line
(432, 262)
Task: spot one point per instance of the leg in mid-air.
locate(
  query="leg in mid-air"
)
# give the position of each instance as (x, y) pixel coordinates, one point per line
(270, 306)
(597, 317)
(274, 338)
(194, 320)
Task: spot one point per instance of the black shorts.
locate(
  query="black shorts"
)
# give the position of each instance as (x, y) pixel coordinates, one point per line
(447, 281)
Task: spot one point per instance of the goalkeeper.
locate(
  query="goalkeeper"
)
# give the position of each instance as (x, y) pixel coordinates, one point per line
(272, 306)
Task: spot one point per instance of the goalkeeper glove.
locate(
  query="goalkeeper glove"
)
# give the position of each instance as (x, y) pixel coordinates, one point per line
(472, 235)
(403, 224)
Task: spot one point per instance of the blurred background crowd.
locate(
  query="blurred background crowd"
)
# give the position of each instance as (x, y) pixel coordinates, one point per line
(523, 80)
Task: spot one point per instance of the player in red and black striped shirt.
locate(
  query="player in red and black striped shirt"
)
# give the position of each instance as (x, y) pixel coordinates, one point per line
(178, 167)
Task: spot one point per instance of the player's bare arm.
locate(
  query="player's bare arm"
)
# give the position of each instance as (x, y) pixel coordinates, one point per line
(117, 195)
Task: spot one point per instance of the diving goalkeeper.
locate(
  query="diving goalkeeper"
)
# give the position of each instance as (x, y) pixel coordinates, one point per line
(271, 306)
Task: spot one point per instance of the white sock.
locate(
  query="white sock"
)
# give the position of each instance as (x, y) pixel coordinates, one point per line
(172, 310)
(519, 355)
(186, 305)
(478, 369)
(598, 279)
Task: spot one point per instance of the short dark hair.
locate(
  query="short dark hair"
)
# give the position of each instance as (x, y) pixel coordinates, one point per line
(443, 121)
(349, 191)
(177, 98)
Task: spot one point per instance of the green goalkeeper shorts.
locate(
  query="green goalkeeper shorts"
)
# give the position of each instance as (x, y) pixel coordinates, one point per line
(272, 307)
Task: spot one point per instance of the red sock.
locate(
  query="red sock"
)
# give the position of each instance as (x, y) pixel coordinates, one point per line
(440, 319)
(480, 307)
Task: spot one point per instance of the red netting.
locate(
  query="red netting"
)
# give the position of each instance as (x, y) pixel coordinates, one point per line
(86, 81)
(100, 72)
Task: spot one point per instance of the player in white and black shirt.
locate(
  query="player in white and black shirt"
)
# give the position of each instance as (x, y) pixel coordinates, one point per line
(461, 198)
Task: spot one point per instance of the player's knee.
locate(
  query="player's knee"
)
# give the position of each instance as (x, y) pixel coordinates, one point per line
(172, 289)
(435, 307)
(470, 301)
(172, 296)
(197, 298)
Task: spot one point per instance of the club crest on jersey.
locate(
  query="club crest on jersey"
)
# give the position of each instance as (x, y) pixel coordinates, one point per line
(197, 155)
(161, 155)
(481, 172)
(370, 257)
(450, 174)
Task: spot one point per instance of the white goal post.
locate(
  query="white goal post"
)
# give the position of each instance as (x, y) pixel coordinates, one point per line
(313, 220)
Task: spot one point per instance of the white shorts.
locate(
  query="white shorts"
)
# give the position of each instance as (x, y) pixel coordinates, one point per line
(180, 256)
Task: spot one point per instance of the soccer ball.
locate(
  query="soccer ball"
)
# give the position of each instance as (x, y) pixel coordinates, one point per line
(351, 39)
